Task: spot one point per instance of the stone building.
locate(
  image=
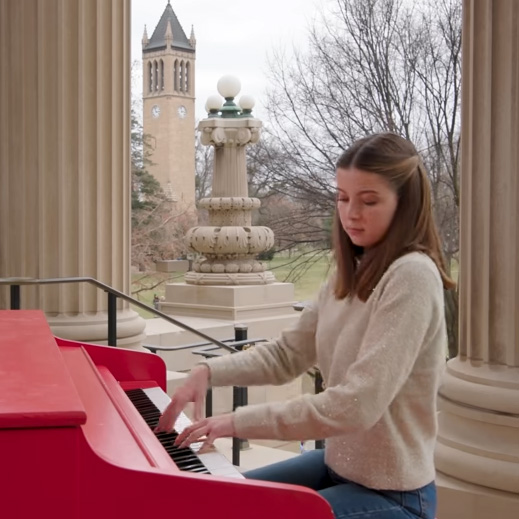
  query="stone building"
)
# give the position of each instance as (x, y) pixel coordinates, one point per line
(168, 61)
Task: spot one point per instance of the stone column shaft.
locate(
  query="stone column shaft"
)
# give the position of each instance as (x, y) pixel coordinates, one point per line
(229, 164)
(489, 280)
(64, 157)
(479, 419)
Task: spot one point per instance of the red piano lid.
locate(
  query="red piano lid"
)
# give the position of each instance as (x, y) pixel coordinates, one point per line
(36, 389)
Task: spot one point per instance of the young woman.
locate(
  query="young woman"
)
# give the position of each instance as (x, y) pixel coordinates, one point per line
(377, 333)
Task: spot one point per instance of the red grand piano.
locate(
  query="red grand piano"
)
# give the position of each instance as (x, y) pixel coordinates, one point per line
(77, 441)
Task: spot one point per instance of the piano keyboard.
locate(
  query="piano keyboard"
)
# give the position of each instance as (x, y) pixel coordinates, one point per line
(151, 403)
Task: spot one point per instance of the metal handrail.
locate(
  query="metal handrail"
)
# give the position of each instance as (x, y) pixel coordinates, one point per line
(113, 294)
(237, 345)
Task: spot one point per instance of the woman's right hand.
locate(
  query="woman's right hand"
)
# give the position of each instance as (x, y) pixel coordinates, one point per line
(192, 390)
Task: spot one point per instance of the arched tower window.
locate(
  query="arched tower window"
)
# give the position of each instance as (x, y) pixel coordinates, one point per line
(150, 77)
(156, 67)
(161, 75)
(175, 76)
(188, 77)
(181, 78)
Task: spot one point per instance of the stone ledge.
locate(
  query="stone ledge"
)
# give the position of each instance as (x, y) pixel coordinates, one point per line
(172, 266)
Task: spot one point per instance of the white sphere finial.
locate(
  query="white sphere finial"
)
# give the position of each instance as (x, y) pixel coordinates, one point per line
(246, 102)
(228, 86)
(214, 102)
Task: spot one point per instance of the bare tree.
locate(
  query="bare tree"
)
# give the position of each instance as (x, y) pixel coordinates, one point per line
(203, 169)
(285, 213)
(439, 76)
(158, 233)
(370, 66)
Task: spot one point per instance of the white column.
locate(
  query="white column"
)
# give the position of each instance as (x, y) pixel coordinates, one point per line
(64, 158)
(478, 446)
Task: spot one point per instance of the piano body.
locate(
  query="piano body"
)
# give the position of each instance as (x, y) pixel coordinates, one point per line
(74, 442)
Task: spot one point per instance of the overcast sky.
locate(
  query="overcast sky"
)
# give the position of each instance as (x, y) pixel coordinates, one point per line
(233, 37)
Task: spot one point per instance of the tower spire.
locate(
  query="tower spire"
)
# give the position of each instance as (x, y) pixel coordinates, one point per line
(192, 39)
(168, 27)
(169, 34)
(145, 38)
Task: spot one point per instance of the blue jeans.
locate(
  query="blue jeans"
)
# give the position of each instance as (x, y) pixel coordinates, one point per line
(348, 499)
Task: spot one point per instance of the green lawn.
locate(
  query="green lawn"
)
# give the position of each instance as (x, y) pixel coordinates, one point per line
(307, 272)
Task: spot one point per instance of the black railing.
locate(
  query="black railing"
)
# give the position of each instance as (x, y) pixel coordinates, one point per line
(15, 297)
(113, 294)
(318, 388)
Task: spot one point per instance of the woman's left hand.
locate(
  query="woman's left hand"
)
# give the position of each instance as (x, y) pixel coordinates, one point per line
(207, 430)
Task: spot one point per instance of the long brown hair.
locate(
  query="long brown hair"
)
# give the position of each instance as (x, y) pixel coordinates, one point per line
(412, 228)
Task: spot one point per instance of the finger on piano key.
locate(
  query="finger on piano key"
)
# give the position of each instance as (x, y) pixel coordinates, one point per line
(215, 462)
(196, 432)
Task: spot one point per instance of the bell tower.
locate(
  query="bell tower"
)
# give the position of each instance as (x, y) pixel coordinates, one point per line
(168, 60)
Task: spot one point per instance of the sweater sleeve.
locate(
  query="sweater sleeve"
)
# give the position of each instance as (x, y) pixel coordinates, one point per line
(275, 362)
(408, 306)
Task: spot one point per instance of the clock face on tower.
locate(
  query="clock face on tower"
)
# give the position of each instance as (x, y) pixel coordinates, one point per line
(182, 111)
(155, 110)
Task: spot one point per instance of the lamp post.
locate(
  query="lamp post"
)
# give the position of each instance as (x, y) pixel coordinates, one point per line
(229, 244)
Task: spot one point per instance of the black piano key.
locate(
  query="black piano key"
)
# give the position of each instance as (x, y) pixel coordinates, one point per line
(191, 467)
(184, 458)
(180, 458)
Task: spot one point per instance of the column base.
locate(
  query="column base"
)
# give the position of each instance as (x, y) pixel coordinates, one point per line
(478, 438)
(460, 500)
(94, 328)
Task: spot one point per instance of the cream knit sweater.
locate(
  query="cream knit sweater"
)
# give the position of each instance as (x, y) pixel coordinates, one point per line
(381, 361)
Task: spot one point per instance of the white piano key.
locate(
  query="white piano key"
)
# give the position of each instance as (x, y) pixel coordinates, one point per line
(217, 464)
